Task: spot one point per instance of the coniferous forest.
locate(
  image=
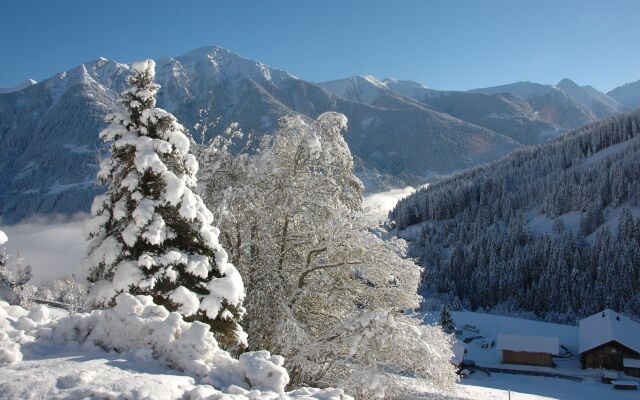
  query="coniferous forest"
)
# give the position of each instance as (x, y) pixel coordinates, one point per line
(551, 229)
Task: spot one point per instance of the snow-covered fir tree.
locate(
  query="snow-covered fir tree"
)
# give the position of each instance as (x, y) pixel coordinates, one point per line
(323, 289)
(446, 321)
(151, 234)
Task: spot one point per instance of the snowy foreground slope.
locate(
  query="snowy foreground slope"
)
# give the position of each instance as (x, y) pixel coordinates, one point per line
(45, 353)
(73, 357)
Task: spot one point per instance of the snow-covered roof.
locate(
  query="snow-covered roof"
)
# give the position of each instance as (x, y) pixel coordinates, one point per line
(625, 383)
(532, 344)
(631, 363)
(607, 326)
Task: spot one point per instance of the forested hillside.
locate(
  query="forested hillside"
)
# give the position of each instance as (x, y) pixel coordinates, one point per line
(552, 229)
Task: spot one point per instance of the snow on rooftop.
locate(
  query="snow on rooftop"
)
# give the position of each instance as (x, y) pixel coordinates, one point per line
(631, 363)
(532, 344)
(607, 326)
(625, 383)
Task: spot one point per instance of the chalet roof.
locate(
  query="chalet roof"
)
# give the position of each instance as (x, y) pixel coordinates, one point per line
(532, 344)
(608, 326)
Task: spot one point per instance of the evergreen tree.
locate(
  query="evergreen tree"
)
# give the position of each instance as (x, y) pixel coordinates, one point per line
(457, 304)
(446, 321)
(151, 234)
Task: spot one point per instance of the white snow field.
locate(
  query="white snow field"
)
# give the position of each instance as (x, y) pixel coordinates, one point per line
(140, 351)
(137, 350)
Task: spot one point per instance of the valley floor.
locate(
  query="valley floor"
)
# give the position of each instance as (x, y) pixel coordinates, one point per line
(480, 385)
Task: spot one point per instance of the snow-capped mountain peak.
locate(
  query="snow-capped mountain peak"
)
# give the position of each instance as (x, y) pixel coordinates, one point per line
(600, 104)
(523, 89)
(220, 63)
(22, 85)
(374, 81)
(403, 82)
(362, 88)
(400, 130)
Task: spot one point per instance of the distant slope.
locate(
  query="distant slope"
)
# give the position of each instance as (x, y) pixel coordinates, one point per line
(600, 104)
(47, 136)
(49, 130)
(502, 113)
(550, 104)
(552, 228)
(627, 95)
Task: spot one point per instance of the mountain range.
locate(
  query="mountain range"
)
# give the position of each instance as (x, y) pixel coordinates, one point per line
(400, 132)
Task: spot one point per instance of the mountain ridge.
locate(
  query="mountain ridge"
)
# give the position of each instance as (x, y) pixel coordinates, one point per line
(52, 126)
(401, 132)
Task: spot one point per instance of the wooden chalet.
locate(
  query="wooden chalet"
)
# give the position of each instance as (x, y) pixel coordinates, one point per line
(528, 350)
(607, 339)
(631, 367)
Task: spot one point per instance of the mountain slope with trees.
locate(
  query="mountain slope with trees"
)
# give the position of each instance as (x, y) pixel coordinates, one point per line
(552, 229)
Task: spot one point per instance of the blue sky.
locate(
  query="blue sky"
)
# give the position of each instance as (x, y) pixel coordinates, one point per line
(443, 44)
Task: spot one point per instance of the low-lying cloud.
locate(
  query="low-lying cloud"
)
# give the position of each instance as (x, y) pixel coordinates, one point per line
(383, 202)
(54, 247)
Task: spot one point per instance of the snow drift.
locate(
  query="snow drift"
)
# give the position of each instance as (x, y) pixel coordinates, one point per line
(146, 331)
